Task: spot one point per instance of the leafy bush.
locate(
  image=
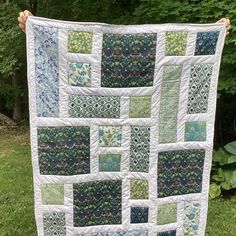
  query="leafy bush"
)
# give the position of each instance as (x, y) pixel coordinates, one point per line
(223, 170)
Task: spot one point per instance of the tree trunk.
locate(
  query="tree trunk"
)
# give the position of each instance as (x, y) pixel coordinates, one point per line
(17, 107)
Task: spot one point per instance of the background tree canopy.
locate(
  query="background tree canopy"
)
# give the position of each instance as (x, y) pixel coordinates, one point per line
(13, 82)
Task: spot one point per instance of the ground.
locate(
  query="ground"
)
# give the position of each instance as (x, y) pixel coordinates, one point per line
(16, 193)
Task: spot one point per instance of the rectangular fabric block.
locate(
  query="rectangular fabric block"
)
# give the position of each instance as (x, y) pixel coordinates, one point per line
(122, 125)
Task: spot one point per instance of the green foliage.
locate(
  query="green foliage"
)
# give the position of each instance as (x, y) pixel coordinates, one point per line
(223, 170)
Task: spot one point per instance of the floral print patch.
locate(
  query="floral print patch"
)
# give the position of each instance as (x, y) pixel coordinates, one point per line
(199, 86)
(206, 43)
(139, 189)
(46, 70)
(97, 203)
(110, 136)
(79, 74)
(139, 215)
(54, 224)
(140, 106)
(195, 131)
(167, 214)
(94, 106)
(128, 60)
(139, 149)
(176, 42)
(169, 103)
(52, 194)
(80, 42)
(109, 162)
(64, 150)
(191, 219)
(180, 172)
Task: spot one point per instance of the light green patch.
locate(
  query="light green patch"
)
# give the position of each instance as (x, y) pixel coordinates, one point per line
(176, 42)
(80, 42)
(52, 194)
(109, 162)
(195, 131)
(139, 189)
(140, 106)
(167, 214)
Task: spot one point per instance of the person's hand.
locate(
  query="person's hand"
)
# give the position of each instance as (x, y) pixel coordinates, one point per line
(226, 22)
(22, 19)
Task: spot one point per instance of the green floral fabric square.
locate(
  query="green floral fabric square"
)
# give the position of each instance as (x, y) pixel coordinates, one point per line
(80, 42)
(98, 203)
(140, 106)
(52, 194)
(54, 223)
(167, 214)
(176, 42)
(139, 189)
(195, 131)
(110, 136)
(109, 162)
(79, 74)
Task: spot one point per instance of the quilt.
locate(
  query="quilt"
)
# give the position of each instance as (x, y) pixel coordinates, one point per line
(121, 125)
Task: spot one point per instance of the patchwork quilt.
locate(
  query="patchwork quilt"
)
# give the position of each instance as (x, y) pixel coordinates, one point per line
(122, 123)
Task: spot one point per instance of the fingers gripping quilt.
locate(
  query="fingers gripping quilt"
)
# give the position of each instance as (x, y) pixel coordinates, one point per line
(122, 123)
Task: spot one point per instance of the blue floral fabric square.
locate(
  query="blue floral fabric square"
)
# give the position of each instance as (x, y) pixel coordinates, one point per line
(109, 162)
(97, 203)
(180, 172)
(128, 60)
(139, 215)
(195, 131)
(64, 150)
(206, 43)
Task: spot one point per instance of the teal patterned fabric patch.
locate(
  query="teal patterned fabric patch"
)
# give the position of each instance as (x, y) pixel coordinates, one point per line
(121, 126)
(97, 203)
(110, 136)
(180, 172)
(54, 223)
(139, 149)
(199, 86)
(79, 74)
(94, 106)
(128, 60)
(195, 131)
(64, 150)
(109, 162)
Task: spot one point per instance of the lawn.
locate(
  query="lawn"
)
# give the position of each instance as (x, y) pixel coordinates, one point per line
(16, 193)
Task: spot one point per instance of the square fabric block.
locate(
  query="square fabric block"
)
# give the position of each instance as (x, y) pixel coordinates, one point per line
(118, 233)
(110, 136)
(139, 149)
(167, 233)
(54, 224)
(180, 172)
(140, 107)
(64, 150)
(195, 131)
(167, 214)
(97, 203)
(199, 86)
(79, 74)
(139, 215)
(109, 162)
(94, 106)
(52, 194)
(206, 43)
(191, 218)
(80, 42)
(176, 42)
(139, 189)
(128, 60)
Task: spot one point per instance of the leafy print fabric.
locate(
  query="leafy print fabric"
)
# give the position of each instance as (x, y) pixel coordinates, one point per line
(121, 126)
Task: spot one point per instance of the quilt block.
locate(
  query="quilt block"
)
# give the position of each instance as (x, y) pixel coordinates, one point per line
(122, 124)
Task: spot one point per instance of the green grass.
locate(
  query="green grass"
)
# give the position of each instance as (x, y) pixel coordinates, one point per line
(16, 193)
